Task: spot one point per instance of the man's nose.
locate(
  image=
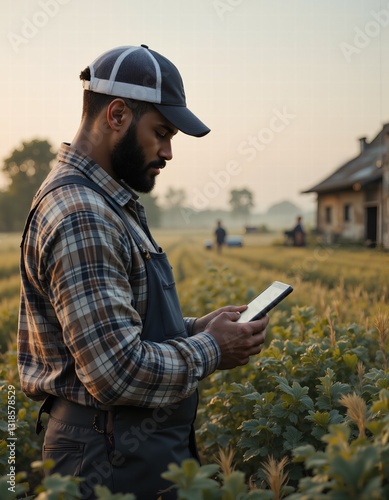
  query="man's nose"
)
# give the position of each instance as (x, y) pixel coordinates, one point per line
(166, 151)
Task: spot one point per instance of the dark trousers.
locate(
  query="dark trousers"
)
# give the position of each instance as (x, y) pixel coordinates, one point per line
(100, 447)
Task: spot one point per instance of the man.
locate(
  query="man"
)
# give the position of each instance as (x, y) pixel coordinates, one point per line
(220, 236)
(299, 233)
(101, 335)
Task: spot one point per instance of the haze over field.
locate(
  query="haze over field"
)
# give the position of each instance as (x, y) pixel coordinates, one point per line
(287, 87)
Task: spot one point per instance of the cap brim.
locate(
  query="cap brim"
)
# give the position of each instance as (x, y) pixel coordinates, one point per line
(183, 119)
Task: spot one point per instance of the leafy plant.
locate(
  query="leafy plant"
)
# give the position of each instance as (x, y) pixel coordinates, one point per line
(306, 419)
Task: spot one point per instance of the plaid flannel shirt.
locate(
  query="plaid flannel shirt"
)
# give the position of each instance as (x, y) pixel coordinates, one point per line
(83, 296)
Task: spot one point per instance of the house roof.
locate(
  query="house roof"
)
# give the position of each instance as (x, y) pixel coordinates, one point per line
(360, 171)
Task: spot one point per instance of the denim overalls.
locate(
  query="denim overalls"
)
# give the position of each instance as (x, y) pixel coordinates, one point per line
(141, 442)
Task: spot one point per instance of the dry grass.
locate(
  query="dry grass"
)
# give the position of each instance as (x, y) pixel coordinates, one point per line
(356, 411)
(225, 461)
(276, 477)
(381, 323)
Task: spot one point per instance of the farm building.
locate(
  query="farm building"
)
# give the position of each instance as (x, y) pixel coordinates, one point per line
(353, 202)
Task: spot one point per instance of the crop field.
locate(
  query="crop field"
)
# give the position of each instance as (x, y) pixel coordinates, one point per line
(308, 410)
(353, 283)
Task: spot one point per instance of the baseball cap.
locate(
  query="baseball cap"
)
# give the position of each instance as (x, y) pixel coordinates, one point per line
(143, 74)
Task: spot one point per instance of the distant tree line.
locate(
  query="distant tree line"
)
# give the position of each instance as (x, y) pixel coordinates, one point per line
(28, 165)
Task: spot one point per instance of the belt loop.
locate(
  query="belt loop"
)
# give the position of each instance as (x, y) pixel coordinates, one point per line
(45, 408)
(108, 419)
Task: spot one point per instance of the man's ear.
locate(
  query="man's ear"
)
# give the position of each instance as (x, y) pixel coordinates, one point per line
(118, 115)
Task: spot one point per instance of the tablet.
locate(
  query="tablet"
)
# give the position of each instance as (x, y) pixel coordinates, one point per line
(265, 301)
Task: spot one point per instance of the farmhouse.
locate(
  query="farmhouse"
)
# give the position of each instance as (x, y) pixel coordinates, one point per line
(353, 202)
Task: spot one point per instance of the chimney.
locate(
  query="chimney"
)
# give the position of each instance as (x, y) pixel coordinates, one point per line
(362, 144)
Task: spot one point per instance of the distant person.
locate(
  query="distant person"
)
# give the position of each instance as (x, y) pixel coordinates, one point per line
(298, 234)
(220, 236)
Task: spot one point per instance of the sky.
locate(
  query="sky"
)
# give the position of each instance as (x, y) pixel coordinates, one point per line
(286, 86)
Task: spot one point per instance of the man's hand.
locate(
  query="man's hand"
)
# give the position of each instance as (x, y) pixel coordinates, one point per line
(201, 323)
(237, 341)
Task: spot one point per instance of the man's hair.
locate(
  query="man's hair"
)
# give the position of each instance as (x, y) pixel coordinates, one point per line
(94, 102)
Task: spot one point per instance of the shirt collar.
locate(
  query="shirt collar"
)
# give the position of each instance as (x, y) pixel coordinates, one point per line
(121, 193)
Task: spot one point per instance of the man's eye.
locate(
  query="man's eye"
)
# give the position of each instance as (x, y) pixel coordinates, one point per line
(161, 135)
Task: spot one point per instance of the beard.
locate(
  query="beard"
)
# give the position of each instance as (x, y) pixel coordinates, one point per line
(128, 162)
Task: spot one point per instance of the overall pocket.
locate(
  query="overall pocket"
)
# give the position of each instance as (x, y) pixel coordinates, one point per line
(67, 457)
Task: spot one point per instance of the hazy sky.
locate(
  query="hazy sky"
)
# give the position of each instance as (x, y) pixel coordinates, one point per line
(287, 86)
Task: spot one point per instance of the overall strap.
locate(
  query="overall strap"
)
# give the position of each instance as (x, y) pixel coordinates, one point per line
(84, 181)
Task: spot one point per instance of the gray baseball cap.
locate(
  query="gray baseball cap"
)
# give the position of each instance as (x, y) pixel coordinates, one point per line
(143, 74)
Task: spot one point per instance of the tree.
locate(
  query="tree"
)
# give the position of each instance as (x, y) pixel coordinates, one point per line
(24, 169)
(6, 213)
(175, 198)
(153, 211)
(241, 201)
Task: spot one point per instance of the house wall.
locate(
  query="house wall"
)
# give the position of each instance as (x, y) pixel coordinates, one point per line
(354, 229)
(385, 207)
(331, 214)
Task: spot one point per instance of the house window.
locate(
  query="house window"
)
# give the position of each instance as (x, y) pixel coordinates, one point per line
(347, 213)
(328, 215)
